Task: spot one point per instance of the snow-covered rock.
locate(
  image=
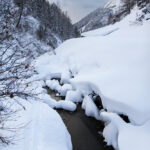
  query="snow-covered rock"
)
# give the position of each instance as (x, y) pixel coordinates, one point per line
(74, 96)
(55, 86)
(66, 105)
(90, 108)
(65, 88)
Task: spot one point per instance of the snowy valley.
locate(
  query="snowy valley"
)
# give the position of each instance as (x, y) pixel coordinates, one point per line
(104, 74)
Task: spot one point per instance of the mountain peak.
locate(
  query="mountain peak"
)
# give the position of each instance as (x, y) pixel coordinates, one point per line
(113, 3)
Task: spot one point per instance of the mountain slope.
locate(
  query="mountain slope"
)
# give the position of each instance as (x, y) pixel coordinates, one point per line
(113, 11)
(53, 23)
(33, 26)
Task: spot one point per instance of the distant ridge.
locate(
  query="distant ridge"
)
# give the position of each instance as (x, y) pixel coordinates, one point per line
(112, 12)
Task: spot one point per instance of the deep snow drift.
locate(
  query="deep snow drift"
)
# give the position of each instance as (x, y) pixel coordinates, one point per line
(42, 129)
(113, 62)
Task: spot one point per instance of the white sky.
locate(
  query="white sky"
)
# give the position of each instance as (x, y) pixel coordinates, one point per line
(77, 9)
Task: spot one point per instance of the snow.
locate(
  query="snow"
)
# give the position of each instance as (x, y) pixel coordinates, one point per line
(147, 16)
(125, 136)
(44, 97)
(66, 105)
(74, 96)
(137, 137)
(37, 87)
(44, 129)
(65, 76)
(90, 108)
(114, 4)
(113, 62)
(98, 32)
(65, 88)
(112, 127)
(120, 80)
(125, 23)
(55, 86)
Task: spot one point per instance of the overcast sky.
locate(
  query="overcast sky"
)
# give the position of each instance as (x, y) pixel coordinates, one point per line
(77, 9)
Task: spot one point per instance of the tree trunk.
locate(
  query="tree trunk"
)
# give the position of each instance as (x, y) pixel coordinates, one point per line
(21, 11)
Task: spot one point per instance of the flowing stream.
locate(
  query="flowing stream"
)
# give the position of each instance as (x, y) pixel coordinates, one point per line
(85, 131)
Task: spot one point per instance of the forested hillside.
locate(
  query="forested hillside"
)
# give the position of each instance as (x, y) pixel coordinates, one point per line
(35, 23)
(51, 18)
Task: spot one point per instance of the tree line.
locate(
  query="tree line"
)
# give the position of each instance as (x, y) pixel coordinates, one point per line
(50, 16)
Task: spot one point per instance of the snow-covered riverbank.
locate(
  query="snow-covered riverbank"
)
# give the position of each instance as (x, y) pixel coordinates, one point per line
(42, 129)
(114, 66)
(113, 63)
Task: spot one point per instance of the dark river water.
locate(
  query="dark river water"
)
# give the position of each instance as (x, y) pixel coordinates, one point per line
(85, 131)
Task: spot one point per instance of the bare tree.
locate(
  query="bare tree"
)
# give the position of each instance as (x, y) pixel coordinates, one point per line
(21, 4)
(14, 69)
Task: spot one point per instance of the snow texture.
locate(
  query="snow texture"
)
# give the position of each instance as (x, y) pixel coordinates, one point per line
(125, 136)
(44, 129)
(90, 108)
(74, 96)
(66, 105)
(113, 62)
